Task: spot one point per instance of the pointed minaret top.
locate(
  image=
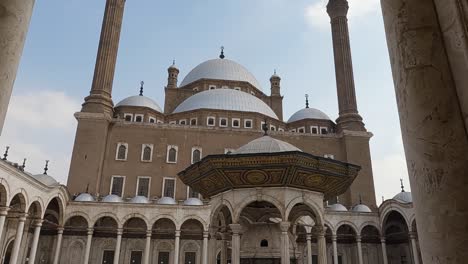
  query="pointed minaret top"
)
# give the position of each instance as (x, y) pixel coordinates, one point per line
(402, 186)
(307, 100)
(222, 53)
(46, 168)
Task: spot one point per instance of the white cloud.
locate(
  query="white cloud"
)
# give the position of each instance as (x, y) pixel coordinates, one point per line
(317, 17)
(40, 126)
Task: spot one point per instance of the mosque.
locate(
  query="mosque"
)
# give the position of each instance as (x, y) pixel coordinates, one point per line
(215, 176)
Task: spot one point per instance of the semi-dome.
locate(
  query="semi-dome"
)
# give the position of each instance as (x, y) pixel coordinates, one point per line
(226, 99)
(84, 197)
(45, 179)
(112, 198)
(167, 201)
(308, 113)
(220, 69)
(193, 202)
(139, 200)
(404, 197)
(337, 208)
(265, 144)
(141, 101)
(361, 208)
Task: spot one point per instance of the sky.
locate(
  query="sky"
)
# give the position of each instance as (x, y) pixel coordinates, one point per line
(293, 37)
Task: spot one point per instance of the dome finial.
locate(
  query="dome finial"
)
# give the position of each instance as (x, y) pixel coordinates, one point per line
(265, 128)
(6, 153)
(24, 164)
(307, 100)
(222, 53)
(142, 83)
(360, 199)
(402, 186)
(46, 168)
(173, 62)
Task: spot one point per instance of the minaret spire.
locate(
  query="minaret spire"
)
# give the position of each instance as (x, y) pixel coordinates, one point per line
(402, 186)
(222, 53)
(142, 83)
(307, 100)
(100, 97)
(349, 118)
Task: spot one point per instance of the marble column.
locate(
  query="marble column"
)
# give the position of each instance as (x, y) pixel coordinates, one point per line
(58, 245)
(432, 124)
(18, 238)
(118, 244)
(176, 247)
(100, 98)
(414, 248)
(3, 215)
(322, 244)
(335, 249)
(309, 248)
(15, 17)
(89, 241)
(284, 226)
(146, 258)
(212, 246)
(205, 248)
(235, 245)
(349, 118)
(224, 248)
(35, 241)
(384, 250)
(359, 249)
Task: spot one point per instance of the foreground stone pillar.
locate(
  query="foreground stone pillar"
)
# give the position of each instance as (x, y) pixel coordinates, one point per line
(58, 246)
(309, 248)
(433, 129)
(89, 240)
(212, 246)
(414, 247)
(236, 229)
(176, 246)
(18, 238)
(3, 215)
(284, 226)
(359, 249)
(335, 249)
(35, 242)
(15, 16)
(384, 250)
(322, 245)
(146, 259)
(224, 249)
(118, 243)
(205, 248)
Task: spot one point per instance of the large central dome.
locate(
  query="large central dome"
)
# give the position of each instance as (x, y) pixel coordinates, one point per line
(221, 69)
(225, 99)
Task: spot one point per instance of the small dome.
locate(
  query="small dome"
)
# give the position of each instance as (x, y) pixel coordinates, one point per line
(265, 144)
(361, 208)
(167, 201)
(193, 202)
(404, 197)
(141, 101)
(45, 179)
(308, 113)
(84, 197)
(139, 200)
(220, 69)
(226, 99)
(112, 198)
(337, 208)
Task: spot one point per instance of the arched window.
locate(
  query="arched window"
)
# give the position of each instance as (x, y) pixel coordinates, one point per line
(172, 154)
(147, 153)
(196, 155)
(121, 151)
(264, 243)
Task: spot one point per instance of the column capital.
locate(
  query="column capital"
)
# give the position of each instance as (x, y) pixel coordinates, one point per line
(90, 231)
(337, 8)
(412, 235)
(236, 228)
(284, 226)
(308, 236)
(358, 238)
(60, 230)
(149, 233)
(22, 217)
(38, 222)
(334, 238)
(119, 231)
(4, 211)
(319, 230)
(177, 233)
(382, 240)
(206, 234)
(213, 231)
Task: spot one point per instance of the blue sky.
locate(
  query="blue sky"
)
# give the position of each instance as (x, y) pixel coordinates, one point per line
(291, 36)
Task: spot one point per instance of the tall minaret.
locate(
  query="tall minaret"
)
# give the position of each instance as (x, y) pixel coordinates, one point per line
(100, 98)
(95, 117)
(349, 118)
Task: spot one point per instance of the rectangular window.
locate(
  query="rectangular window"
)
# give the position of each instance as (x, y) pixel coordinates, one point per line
(108, 256)
(212, 87)
(169, 187)
(191, 193)
(196, 154)
(314, 129)
(272, 128)
(314, 259)
(121, 151)
(193, 121)
(128, 117)
(172, 123)
(210, 121)
(152, 120)
(139, 118)
(236, 122)
(117, 185)
(281, 129)
(172, 152)
(143, 186)
(293, 130)
(237, 88)
(163, 257)
(190, 257)
(248, 123)
(301, 130)
(183, 122)
(136, 257)
(323, 130)
(223, 122)
(261, 125)
(147, 152)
